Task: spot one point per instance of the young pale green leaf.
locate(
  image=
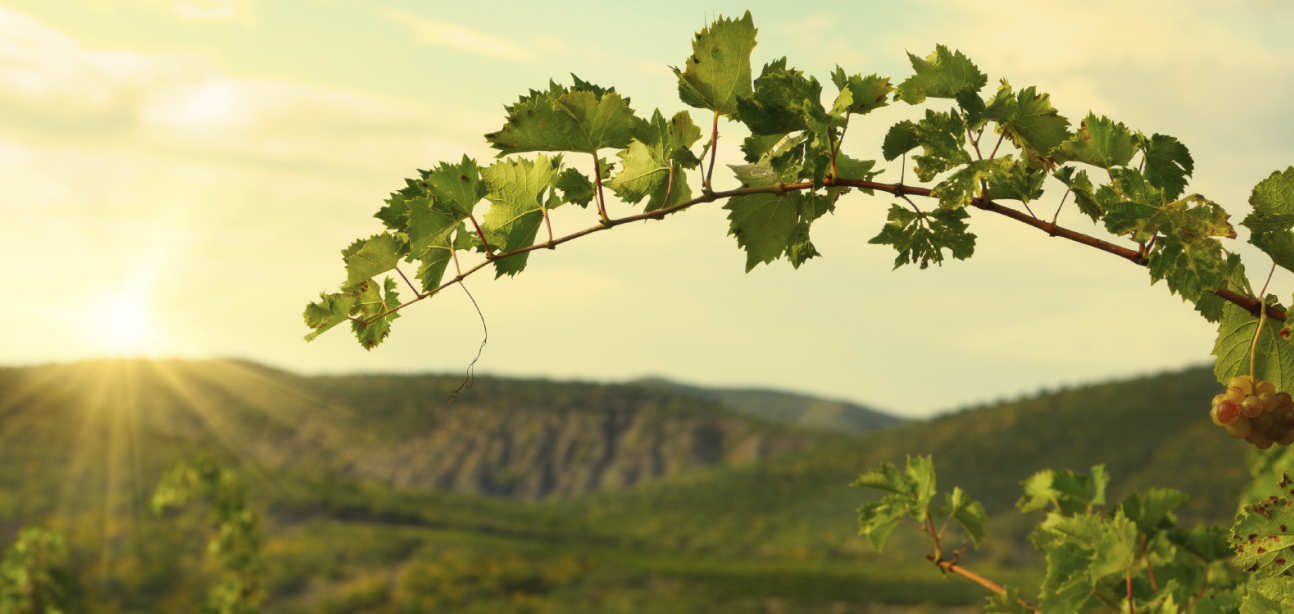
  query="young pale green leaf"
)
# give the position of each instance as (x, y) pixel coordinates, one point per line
(1110, 545)
(1008, 601)
(1168, 164)
(1275, 357)
(943, 74)
(910, 493)
(922, 238)
(900, 139)
(1100, 142)
(959, 188)
(1267, 595)
(718, 72)
(859, 94)
(1067, 491)
(436, 257)
(1029, 121)
(653, 165)
(516, 193)
(1209, 304)
(1066, 585)
(968, 512)
(581, 118)
(373, 319)
(373, 256)
(329, 311)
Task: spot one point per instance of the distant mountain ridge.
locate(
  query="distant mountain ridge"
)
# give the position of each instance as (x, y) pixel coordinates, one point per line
(781, 406)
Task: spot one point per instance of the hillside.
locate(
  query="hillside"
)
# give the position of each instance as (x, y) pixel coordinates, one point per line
(598, 498)
(781, 406)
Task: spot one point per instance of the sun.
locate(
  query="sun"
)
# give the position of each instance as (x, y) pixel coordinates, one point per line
(122, 324)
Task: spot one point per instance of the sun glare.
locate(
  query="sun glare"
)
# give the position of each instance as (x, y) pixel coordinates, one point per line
(122, 324)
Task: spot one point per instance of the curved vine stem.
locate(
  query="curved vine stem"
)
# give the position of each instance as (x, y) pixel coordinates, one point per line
(1248, 303)
(1262, 319)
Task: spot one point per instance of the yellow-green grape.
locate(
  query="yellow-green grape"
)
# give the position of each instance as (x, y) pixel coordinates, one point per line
(1240, 429)
(1252, 407)
(1244, 382)
(1269, 401)
(1213, 415)
(1265, 386)
(1285, 400)
(1260, 441)
(1287, 438)
(1236, 393)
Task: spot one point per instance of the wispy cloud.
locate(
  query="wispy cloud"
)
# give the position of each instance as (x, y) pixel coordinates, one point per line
(204, 10)
(459, 37)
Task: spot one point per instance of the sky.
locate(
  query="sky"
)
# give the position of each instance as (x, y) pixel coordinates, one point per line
(180, 176)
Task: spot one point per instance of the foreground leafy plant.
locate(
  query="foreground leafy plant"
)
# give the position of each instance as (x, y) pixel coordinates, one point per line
(1131, 184)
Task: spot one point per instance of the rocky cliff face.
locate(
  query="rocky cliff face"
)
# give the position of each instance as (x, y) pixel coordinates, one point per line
(535, 439)
(533, 454)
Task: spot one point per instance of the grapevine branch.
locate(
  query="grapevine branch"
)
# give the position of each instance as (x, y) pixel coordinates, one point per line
(952, 566)
(1248, 303)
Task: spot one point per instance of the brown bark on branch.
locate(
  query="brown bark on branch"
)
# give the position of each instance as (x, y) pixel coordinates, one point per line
(953, 567)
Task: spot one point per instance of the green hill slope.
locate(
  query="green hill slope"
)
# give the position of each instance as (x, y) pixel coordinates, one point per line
(653, 501)
(781, 406)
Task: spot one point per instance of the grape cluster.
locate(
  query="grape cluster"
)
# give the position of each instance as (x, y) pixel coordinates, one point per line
(1255, 412)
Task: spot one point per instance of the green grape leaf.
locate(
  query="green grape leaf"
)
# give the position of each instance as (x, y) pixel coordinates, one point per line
(1068, 491)
(1210, 543)
(516, 194)
(859, 94)
(1275, 357)
(1018, 183)
(1100, 142)
(900, 139)
(1065, 586)
(1209, 304)
(373, 256)
(941, 137)
(1273, 216)
(1029, 121)
(1263, 539)
(969, 513)
(372, 323)
(395, 214)
(1153, 511)
(430, 223)
(942, 74)
(1273, 202)
(764, 225)
(922, 238)
(784, 100)
(458, 186)
(1081, 187)
(1129, 202)
(434, 260)
(1108, 545)
(575, 187)
(718, 72)
(959, 188)
(1266, 596)
(1189, 269)
(653, 165)
(329, 311)
(1168, 164)
(910, 492)
(1220, 601)
(581, 118)
(1006, 602)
